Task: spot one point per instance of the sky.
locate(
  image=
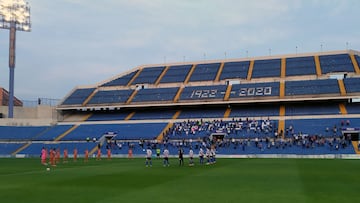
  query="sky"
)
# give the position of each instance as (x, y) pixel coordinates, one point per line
(84, 42)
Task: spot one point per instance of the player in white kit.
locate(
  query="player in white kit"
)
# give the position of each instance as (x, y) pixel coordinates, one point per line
(191, 157)
(148, 158)
(166, 157)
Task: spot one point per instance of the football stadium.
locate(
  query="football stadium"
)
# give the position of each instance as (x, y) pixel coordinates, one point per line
(281, 128)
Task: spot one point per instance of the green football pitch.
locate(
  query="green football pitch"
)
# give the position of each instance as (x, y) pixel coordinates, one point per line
(229, 180)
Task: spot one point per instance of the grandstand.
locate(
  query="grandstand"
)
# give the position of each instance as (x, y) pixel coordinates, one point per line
(303, 104)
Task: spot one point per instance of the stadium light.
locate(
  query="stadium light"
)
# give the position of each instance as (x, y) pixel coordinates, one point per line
(14, 15)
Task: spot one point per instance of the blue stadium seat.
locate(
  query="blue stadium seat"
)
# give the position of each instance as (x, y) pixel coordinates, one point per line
(352, 85)
(148, 75)
(235, 70)
(336, 63)
(205, 72)
(319, 108)
(357, 58)
(266, 68)
(53, 132)
(155, 94)
(300, 66)
(21, 132)
(121, 81)
(124, 131)
(35, 148)
(353, 108)
(78, 96)
(324, 126)
(312, 87)
(153, 114)
(110, 96)
(189, 113)
(259, 110)
(176, 74)
(8, 148)
(108, 116)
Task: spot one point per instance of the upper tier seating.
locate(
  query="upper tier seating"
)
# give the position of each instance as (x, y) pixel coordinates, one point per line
(266, 68)
(336, 63)
(176, 74)
(300, 66)
(148, 75)
(205, 72)
(255, 90)
(155, 94)
(357, 57)
(314, 87)
(352, 85)
(121, 81)
(203, 92)
(78, 96)
(235, 70)
(110, 96)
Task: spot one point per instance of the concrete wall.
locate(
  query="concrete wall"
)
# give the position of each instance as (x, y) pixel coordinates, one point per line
(29, 116)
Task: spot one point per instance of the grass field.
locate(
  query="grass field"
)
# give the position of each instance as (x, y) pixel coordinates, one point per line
(229, 180)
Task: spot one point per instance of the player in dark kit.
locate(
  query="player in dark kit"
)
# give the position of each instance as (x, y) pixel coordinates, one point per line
(181, 157)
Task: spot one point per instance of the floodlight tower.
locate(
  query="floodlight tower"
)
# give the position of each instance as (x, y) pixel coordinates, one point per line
(14, 15)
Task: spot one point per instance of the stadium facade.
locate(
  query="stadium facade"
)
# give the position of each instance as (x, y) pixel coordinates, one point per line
(303, 104)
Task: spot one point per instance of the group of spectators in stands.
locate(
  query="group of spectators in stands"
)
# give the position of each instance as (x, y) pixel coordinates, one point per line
(199, 128)
(195, 134)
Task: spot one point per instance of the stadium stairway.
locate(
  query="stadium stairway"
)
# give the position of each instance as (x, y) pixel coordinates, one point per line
(282, 90)
(131, 96)
(189, 74)
(72, 128)
(217, 78)
(134, 77)
(342, 87)
(66, 133)
(162, 75)
(283, 67)
(89, 97)
(317, 65)
(29, 143)
(356, 148)
(20, 149)
(227, 113)
(128, 117)
(178, 94)
(228, 92)
(93, 150)
(342, 109)
(250, 71)
(356, 65)
(160, 137)
(281, 125)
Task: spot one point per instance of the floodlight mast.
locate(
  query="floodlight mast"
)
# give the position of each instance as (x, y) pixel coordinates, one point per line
(14, 15)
